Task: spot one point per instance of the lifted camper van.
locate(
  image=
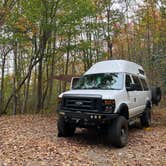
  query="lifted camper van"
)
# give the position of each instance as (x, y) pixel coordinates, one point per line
(108, 96)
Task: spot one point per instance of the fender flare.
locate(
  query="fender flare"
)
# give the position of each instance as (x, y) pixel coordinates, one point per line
(148, 104)
(123, 110)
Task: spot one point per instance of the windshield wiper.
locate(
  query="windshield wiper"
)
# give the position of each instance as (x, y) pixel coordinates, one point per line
(94, 88)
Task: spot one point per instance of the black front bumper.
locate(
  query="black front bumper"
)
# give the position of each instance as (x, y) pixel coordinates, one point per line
(84, 119)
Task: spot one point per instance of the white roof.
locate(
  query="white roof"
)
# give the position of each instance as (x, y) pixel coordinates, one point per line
(115, 66)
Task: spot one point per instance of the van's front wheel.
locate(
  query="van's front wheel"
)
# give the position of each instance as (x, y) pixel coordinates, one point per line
(118, 132)
(65, 129)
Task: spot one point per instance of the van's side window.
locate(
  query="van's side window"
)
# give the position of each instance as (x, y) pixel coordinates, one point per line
(144, 84)
(128, 81)
(137, 82)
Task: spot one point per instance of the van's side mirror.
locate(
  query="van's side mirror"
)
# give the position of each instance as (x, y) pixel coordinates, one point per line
(132, 87)
(74, 80)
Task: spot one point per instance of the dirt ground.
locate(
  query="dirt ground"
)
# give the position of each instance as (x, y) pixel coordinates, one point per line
(31, 140)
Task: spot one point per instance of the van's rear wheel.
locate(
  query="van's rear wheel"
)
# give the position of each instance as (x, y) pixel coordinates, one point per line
(118, 132)
(156, 95)
(146, 118)
(65, 129)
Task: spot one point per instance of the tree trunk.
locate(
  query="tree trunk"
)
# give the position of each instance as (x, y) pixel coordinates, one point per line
(67, 62)
(24, 107)
(39, 90)
(42, 47)
(2, 79)
(15, 80)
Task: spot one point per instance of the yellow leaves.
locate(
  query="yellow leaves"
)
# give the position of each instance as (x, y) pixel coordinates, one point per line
(20, 27)
(148, 129)
(23, 20)
(100, 17)
(21, 24)
(61, 13)
(34, 30)
(3, 11)
(25, 26)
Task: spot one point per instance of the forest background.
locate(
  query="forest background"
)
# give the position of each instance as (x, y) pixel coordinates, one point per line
(43, 43)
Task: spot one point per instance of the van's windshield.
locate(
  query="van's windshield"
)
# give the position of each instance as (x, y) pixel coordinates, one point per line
(105, 81)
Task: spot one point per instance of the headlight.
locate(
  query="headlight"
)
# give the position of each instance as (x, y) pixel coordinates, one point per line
(109, 105)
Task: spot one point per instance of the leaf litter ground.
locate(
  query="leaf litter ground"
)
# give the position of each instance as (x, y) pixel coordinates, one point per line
(31, 140)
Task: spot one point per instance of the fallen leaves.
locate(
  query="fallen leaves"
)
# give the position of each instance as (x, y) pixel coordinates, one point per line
(32, 140)
(148, 129)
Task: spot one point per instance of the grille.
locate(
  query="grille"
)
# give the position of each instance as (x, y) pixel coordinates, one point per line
(75, 103)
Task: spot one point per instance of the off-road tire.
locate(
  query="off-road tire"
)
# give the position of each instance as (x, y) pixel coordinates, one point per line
(65, 129)
(118, 132)
(156, 95)
(146, 118)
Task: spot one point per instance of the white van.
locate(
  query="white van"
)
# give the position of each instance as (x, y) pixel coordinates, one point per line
(108, 96)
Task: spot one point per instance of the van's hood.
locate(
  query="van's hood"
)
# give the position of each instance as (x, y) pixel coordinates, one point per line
(106, 94)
